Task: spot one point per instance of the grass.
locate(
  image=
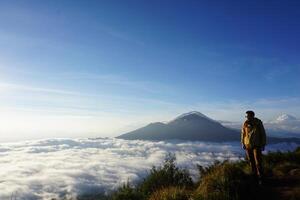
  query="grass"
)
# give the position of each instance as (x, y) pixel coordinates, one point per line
(171, 193)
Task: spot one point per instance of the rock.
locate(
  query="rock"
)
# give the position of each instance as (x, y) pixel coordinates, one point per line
(294, 172)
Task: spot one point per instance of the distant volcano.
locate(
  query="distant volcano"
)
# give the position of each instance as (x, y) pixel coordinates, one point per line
(285, 118)
(284, 125)
(189, 126)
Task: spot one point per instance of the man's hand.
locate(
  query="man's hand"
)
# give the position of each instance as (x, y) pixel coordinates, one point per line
(243, 146)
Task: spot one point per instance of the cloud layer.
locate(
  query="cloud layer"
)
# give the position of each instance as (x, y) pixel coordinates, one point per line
(54, 168)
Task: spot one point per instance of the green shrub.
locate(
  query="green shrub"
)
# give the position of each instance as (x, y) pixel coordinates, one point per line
(297, 151)
(278, 163)
(127, 192)
(167, 175)
(273, 158)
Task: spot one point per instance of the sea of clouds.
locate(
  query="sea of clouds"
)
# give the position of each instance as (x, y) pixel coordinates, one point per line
(56, 168)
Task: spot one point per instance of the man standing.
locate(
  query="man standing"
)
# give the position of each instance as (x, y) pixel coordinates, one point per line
(253, 139)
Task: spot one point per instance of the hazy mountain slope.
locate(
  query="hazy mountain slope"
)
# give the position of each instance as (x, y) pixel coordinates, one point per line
(189, 126)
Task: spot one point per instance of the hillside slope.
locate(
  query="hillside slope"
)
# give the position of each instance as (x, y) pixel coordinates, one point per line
(220, 181)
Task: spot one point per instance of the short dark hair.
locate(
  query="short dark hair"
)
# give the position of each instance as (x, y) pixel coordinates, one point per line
(250, 112)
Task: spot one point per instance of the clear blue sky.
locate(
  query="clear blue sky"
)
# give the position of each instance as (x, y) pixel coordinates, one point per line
(111, 66)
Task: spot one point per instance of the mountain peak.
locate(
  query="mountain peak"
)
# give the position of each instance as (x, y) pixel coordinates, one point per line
(192, 115)
(285, 117)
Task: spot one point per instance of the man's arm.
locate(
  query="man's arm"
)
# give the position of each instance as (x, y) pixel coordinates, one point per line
(263, 135)
(243, 135)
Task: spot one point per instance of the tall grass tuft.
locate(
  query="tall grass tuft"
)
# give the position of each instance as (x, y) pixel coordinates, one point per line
(171, 193)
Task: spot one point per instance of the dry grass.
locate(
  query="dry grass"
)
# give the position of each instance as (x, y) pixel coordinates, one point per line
(171, 193)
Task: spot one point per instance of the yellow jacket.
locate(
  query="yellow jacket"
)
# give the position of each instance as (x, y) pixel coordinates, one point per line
(253, 134)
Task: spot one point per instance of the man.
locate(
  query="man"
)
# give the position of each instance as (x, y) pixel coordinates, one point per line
(253, 139)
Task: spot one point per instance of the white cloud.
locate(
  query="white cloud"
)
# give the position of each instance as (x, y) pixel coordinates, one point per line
(18, 87)
(45, 169)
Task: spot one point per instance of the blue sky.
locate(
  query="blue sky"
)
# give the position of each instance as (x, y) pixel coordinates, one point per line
(99, 68)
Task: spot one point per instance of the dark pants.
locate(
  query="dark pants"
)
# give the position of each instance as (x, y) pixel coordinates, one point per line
(254, 156)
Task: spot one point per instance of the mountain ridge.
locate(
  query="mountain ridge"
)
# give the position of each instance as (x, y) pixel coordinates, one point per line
(192, 126)
(188, 126)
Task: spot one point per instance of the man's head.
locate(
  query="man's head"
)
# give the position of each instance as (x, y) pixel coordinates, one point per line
(250, 115)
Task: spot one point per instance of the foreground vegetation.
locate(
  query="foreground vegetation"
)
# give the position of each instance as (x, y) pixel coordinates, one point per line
(220, 181)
